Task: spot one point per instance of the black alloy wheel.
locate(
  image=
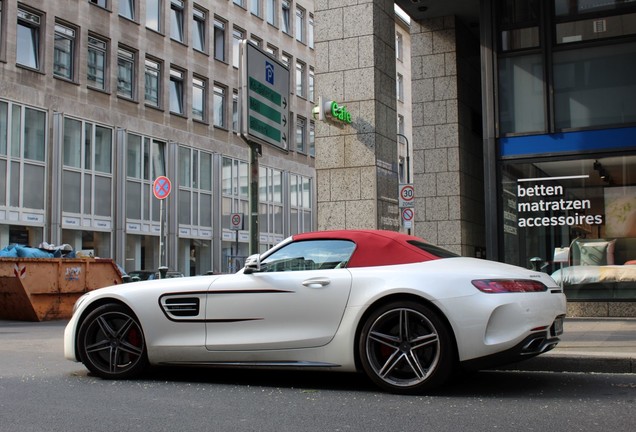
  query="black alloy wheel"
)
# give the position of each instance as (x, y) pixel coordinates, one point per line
(405, 348)
(111, 343)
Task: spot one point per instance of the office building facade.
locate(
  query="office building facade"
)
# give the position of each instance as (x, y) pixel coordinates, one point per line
(99, 98)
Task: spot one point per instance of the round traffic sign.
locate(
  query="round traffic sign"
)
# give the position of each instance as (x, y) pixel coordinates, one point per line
(161, 187)
(407, 192)
(407, 214)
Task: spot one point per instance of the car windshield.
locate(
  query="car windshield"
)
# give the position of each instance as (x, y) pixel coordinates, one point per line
(433, 250)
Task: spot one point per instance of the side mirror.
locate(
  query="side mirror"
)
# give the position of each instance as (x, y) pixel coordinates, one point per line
(252, 264)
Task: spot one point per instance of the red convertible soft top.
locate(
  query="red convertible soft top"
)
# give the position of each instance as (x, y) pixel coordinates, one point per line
(377, 247)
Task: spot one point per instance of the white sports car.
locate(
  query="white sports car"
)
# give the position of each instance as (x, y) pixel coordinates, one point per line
(405, 312)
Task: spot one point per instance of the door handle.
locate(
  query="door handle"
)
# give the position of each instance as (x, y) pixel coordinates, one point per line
(316, 282)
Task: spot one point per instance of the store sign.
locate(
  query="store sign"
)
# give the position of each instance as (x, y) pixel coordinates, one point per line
(545, 204)
(331, 110)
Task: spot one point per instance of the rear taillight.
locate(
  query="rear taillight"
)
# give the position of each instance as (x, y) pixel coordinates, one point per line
(494, 286)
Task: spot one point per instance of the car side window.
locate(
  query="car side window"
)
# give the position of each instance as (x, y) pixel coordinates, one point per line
(309, 255)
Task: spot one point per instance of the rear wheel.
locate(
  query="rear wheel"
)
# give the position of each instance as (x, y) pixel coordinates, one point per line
(406, 348)
(111, 343)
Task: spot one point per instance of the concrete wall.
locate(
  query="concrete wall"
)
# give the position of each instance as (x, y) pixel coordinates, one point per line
(447, 148)
(356, 164)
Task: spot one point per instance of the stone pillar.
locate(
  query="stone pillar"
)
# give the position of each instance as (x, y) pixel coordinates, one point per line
(356, 164)
(447, 145)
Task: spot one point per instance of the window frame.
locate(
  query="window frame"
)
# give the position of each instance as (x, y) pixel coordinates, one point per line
(220, 50)
(199, 29)
(125, 54)
(104, 49)
(199, 83)
(177, 86)
(157, 7)
(64, 32)
(32, 21)
(177, 21)
(153, 67)
(220, 94)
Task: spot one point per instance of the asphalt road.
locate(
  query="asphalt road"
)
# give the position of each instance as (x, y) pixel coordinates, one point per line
(41, 391)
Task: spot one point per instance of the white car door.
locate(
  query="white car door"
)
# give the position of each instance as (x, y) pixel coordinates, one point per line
(296, 302)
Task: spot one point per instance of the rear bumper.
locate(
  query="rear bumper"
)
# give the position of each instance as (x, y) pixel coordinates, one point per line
(534, 344)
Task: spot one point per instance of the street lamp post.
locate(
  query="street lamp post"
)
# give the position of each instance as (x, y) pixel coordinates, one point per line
(408, 158)
(408, 166)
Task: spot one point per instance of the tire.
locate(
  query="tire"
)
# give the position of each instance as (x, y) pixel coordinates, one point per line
(111, 343)
(405, 348)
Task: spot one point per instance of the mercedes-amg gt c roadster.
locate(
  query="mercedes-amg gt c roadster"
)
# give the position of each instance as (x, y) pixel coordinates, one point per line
(405, 312)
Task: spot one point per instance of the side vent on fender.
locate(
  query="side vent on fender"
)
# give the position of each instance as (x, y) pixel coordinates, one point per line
(180, 307)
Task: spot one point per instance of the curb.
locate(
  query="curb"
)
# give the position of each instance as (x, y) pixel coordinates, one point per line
(576, 363)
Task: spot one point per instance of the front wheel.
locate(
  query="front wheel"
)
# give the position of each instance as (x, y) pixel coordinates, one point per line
(405, 348)
(111, 343)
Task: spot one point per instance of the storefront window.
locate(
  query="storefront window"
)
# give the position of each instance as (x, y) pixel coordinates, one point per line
(575, 220)
(521, 94)
(595, 86)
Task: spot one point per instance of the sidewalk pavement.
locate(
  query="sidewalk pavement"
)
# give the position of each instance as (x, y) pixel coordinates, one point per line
(603, 345)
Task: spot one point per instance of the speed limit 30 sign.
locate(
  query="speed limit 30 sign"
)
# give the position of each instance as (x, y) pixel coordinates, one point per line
(407, 195)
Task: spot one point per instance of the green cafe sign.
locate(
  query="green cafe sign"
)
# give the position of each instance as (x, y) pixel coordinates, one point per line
(331, 110)
(339, 112)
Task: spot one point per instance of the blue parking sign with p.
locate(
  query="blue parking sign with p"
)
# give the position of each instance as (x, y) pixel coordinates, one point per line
(269, 72)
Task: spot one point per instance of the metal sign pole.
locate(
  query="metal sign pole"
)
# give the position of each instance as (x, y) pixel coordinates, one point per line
(255, 150)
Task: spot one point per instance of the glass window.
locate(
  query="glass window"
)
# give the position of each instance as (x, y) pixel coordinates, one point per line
(309, 255)
(285, 59)
(176, 20)
(312, 81)
(239, 2)
(301, 87)
(399, 46)
(4, 127)
(100, 3)
(255, 7)
(96, 62)
(145, 161)
(312, 138)
(272, 11)
(64, 52)
(103, 149)
(198, 30)
(176, 91)
(300, 24)
(519, 24)
(23, 150)
(596, 28)
(583, 209)
(152, 75)
(235, 111)
(153, 14)
(198, 98)
(219, 106)
(285, 22)
(300, 135)
(521, 95)
(237, 36)
(127, 9)
(310, 31)
(579, 7)
(595, 86)
(125, 73)
(34, 134)
(219, 40)
(272, 50)
(72, 143)
(399, 83)
(28, 39)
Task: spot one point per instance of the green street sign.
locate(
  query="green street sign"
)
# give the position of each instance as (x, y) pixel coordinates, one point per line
(264, 97)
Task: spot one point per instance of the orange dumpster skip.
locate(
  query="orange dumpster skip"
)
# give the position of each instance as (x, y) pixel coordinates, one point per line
(36, 289)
